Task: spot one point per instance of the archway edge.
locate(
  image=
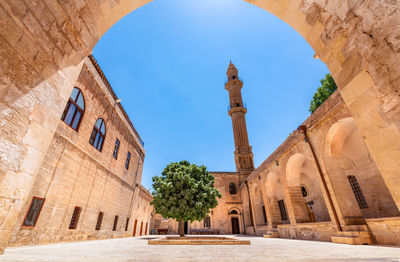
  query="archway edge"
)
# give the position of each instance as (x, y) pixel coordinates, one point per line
(44, 43)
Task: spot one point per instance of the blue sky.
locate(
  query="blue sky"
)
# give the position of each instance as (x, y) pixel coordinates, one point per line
(167, 62)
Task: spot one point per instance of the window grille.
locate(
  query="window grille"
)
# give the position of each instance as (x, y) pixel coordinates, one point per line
(33, 212)
(361, 201)
(75, 218)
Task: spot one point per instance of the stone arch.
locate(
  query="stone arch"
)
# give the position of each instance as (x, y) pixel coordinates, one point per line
(232, 209)
(46, 42)
(301, 171)
(346, 156)
(274, 196)
(258, 204)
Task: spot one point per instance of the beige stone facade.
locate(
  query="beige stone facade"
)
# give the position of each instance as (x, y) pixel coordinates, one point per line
(43, 45)
(75, 174)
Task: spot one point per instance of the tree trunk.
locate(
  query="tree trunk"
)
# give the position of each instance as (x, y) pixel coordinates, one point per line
(181, 229)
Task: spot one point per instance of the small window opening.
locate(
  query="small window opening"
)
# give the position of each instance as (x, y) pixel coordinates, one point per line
(33, 212)
(116, 148)
(99, 220)
(115, 223)
(128, 159)
(207, 222)
(75, 218)
(127, 224)
(304, 191)
(232, 189)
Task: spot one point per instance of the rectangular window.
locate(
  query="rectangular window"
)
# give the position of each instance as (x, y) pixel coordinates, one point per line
(75, 218)
(99, 220)
(127, 224)
(265, 214)
(128, 159)
(361, 201)
(282, 209)
(116, 147)
(33, 212)
(115, 223)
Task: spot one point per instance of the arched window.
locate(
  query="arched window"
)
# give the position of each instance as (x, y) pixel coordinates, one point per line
(207, 222)
(73, 112)
(98, 134)
(234, 212)
(304, 191)
(232, 189)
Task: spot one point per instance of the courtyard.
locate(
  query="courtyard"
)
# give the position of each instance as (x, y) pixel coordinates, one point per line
(261, 249)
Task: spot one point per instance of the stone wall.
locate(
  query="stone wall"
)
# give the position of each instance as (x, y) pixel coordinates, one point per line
(322, 231)
(385, 230)
(74, 173)
(293, 169)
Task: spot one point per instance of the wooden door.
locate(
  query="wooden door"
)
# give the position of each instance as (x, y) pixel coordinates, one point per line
(235, 225)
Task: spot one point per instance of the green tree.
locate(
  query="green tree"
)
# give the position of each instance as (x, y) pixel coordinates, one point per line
(184, 192)
(327, 87)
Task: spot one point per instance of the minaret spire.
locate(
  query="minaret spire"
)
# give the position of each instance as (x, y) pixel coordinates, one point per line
(237, 111)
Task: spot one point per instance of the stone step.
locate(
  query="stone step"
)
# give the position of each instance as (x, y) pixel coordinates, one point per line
(346, 240)
(353, 238)
(272, 234)
(268, 236)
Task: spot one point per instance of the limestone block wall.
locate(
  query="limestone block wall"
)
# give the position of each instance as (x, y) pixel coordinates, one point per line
(75, 174)
(322, 231)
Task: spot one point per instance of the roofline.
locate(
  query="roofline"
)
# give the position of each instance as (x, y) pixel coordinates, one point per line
(222, 172)
(144, 190)
(110, 89)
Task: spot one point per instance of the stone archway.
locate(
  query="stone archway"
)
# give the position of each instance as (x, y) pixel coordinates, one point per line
(304, 188)
(346, 157)
(43, 45)
(274, 198)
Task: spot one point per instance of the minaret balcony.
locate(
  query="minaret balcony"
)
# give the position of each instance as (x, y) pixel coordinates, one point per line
(237, 108)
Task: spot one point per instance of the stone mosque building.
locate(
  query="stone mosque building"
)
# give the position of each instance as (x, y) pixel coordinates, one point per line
(321, 183)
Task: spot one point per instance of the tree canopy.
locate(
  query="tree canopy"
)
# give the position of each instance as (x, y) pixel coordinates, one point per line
(328, 86)
(184, 192)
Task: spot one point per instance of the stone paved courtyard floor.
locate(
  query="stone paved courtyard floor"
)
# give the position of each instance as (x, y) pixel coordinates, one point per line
(261, 249)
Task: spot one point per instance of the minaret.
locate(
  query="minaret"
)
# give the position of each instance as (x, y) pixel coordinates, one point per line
(243, 152)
